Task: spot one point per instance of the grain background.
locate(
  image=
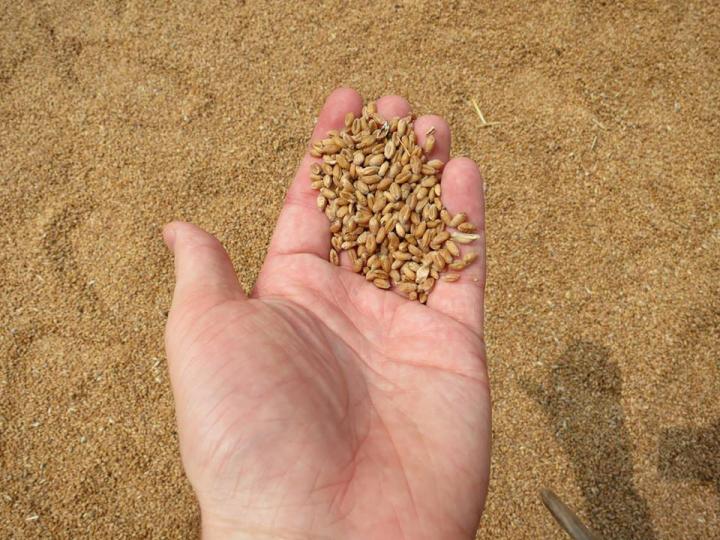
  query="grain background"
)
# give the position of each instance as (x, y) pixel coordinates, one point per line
(603, 218)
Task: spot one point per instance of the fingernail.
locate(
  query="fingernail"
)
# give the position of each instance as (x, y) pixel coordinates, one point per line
(169, 236)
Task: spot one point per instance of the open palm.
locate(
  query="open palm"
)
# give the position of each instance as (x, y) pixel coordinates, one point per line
(323, 407)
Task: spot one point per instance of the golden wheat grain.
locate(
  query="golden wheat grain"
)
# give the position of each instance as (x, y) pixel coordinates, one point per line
(382, 197)
(464, 238)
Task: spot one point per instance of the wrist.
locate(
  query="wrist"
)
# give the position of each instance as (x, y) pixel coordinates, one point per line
(215, 527)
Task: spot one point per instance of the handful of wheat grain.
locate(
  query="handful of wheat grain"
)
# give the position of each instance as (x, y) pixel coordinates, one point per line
(382, 197)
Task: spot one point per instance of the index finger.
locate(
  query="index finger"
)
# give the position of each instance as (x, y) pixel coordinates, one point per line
(301, 227)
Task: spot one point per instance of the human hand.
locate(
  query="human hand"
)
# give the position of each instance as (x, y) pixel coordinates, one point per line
(321, 406)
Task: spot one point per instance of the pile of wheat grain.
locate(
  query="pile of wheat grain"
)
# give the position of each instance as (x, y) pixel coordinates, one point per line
(383, 199)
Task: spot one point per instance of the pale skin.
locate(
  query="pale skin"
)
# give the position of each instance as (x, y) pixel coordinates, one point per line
(321, 406)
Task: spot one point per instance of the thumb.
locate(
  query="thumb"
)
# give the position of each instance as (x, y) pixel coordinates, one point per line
(204, 274)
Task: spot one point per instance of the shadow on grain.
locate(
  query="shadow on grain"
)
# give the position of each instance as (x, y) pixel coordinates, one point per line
(691, 454)
(581, 400)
